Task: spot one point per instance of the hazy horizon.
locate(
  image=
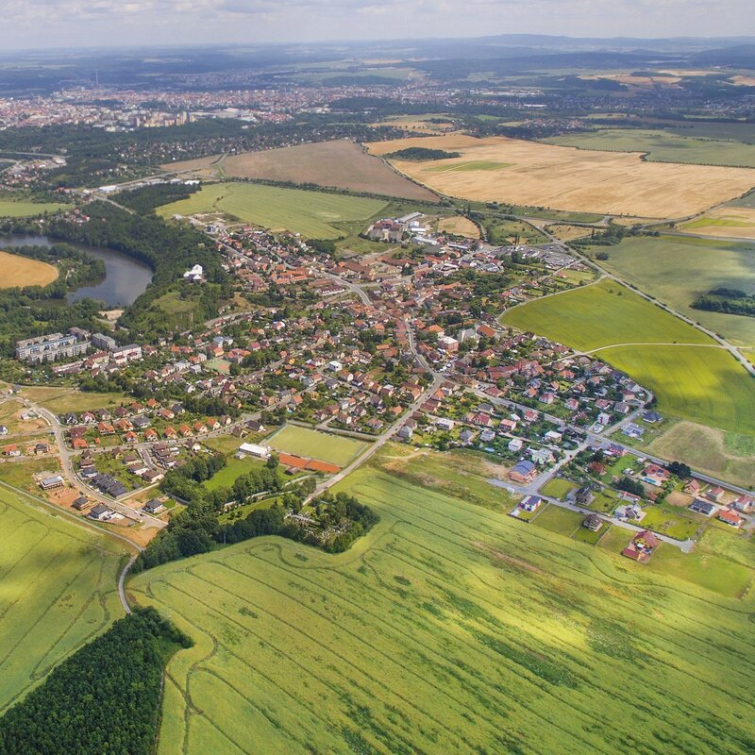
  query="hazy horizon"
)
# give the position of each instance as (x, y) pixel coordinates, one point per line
(61, 24)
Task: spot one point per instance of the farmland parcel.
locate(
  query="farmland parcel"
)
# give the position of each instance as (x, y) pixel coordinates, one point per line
(341, 164)
(661, 146)
(450, 628)
(21, 271)
(678, 270)
(692, 377)
(534, 174)
(59, 590)
(310, 213)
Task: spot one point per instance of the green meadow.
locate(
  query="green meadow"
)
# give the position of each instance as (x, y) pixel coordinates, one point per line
(662, 146)
(691, 377)
(677, 270)
(470, 165)
(699, 384)
(311, 213)
(603, 314)
(11, 209)
(58, 590)
(455, 628)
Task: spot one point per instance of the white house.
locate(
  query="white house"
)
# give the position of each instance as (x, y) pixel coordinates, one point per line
(195, 275)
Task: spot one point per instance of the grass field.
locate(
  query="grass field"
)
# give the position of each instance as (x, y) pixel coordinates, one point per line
(22, 271)
(661, 146)
(599, 315)
(728, 221)
(727, 456)
(698, 384)
(312, 444)
(677, 270)
(342, 164)
(233, 469)
(57, 591)
(559, 488)
(310, 213)
(565, 178)
(10, 209)
(451, 628)
(62, 400)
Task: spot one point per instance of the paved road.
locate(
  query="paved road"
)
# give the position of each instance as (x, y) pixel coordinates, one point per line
(66, 463)
(381, 440)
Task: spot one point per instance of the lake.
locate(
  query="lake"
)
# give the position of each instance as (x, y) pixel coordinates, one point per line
(125, 277)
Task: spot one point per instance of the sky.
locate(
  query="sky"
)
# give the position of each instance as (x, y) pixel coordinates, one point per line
(95, 23)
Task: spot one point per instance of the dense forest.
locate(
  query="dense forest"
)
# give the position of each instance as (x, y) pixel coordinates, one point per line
(332, 523)
(731, 301)
(106, 698)
(148, 198)
(418, 154)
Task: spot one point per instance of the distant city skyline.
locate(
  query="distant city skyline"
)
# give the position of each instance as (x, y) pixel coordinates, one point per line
(40, 24)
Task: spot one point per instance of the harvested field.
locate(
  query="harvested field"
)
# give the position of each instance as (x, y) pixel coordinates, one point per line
(569, 232)
(569, 179)
(731, 222)
(341, 164)
(663, 146)
(459, 226)
(22, 271)
(454, 629)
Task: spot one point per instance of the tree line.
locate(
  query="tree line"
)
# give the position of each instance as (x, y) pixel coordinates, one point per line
(105, 698)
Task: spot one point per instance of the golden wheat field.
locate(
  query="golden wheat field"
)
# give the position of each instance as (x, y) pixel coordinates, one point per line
(21, 271)
(563, 178)
(459, 226)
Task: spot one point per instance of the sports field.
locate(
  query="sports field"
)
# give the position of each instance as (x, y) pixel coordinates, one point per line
(603, 314)
(728, 221)
(57, 590)
(310, 213)
(662, 146)
(695, 383)
(342, 164)
(545, 175)
(22, 271)
(453, 628)
(677, 270)
(10, 209)
(313, 444)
